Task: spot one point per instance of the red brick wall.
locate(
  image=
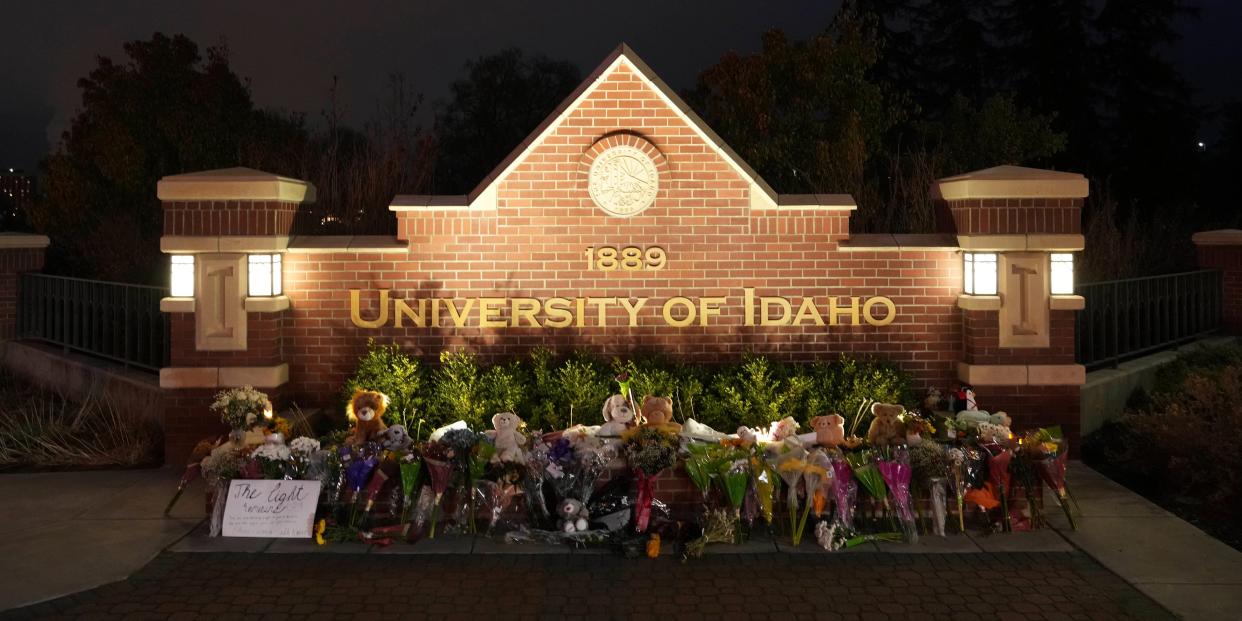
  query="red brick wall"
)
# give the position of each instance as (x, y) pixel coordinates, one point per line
(213, 218)
(1228, 259)
(997, 216)
(1036, 406)
(533, 246)
(188, 418)
(981, 340)
(264, 343)
(14, 261)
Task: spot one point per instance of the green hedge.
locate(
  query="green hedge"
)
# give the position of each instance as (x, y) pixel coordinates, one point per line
(552, 392)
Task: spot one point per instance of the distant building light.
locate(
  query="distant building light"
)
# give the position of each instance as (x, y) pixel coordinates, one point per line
(1202, 146)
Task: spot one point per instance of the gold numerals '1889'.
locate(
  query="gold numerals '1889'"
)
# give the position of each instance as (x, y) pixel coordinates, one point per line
(629, 258)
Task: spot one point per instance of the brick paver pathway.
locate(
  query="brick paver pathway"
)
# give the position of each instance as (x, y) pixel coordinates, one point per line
(778, 586)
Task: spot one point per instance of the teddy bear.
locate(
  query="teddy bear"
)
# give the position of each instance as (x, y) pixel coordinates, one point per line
(574, 515)
(886, 428)
(366, 411)
(507, 438)
(989, 433)
(618, 416)
(395, 439)
(829, 430)
(658, 412)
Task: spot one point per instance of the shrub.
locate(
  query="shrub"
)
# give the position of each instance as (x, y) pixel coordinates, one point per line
(385, 368)
(582, 385)
(1180, 442)
(458, 391)
(41, 429)
(552, 393)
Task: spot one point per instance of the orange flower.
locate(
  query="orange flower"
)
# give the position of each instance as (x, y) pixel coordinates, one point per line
(818, 501)
(985, 497)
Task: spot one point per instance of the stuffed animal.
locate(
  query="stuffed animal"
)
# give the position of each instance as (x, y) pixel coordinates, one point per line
(618, 416)
(989, 433)
(969, 419)
(508, 438)
(886, 428)
(964, 398)
(784, 428)
(746, 436)
(1001, 418)
(829, 430)
(395, 439)
(574, 515)
(658, 412)
(366, 411)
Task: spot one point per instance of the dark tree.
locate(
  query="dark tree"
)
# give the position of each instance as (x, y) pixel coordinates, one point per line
(1050, 64)
(1150, 119)
(500, 101)
(164, 111)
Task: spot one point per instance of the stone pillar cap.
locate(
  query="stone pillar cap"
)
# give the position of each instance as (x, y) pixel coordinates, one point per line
(231, 184)
(23, 240)
(1219, 237)
(1011, 182)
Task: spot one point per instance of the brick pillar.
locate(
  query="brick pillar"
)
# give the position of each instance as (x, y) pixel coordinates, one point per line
(19, 252)
(221, 336)
(1018, 336)
(1222, 250)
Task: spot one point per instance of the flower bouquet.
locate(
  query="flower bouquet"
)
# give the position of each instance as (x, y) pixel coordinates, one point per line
(733, 478)
(957, 468)
(471, 453)
(845, 494)
(833, 537)
(998, 476)
(763, 485)
(305, 458)
(222, 465)
(537, 465)
(241, 408)
(819, 497)
(506, 483)
(871, 480)
(896, 473)
(437, 459)
(1051, 465)
(272, 459)
(193, 470)
(649, 450)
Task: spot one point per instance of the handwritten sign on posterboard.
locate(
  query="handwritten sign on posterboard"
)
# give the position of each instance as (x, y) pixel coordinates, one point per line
(270, 508)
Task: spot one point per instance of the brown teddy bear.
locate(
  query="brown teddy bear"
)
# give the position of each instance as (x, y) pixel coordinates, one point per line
(366, 412)
(829, 430)
(886, 427)
(658, 412)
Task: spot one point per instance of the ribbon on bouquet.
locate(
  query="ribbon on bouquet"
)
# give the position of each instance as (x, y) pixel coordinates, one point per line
(642, 505)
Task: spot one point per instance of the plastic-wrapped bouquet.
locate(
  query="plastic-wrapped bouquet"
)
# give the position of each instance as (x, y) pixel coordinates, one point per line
(437, 458)
(273, 460)
(844, 493)
(649, 450)
(897, 473)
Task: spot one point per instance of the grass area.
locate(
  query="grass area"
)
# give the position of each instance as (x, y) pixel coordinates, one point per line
(42, 430)
(1180, 445)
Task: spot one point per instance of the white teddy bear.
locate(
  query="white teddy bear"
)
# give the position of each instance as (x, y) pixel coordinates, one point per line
(508, 440)
(618, 417)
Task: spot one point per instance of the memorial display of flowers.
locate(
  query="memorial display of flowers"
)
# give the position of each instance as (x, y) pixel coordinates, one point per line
(651, 479)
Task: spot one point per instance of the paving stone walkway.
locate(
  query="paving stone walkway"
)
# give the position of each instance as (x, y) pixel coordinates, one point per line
(1053, 585)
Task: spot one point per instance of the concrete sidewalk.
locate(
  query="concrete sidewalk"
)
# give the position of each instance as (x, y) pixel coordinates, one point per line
(76, 531)
(70, 531)
(1174, 563)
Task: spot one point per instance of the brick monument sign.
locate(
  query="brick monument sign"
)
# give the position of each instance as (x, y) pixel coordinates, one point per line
(622, 224)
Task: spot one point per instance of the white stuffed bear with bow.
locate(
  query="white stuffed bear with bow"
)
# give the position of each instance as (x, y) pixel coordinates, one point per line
(507, 438)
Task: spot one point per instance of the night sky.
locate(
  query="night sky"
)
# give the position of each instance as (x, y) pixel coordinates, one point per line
(290, 55)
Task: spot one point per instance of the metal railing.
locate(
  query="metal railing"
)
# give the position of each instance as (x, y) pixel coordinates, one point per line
(116, 321)
(1125, 319)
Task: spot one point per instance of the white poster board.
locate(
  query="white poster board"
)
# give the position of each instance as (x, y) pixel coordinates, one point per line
(270, 508)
